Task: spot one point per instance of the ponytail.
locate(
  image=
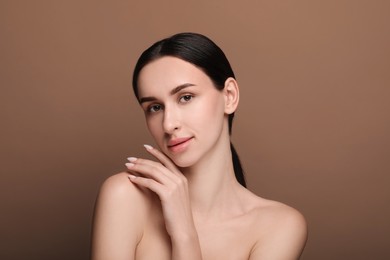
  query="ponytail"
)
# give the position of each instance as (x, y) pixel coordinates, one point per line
(238, 171)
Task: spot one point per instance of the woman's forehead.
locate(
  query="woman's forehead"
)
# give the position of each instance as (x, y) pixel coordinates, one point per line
(167, 73)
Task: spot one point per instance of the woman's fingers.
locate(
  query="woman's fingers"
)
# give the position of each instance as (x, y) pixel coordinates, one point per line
(162, 158)
(149, 169)
(147, 183)
(161, 177)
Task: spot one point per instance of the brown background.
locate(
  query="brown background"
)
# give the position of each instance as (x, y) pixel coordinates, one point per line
(312, 128)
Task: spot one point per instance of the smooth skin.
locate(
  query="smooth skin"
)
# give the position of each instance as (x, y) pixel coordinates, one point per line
(187, 204)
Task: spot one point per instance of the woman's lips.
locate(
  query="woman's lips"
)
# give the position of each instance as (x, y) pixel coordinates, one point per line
(178, 144)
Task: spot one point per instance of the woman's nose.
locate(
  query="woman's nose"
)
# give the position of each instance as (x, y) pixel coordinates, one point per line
(171, 121)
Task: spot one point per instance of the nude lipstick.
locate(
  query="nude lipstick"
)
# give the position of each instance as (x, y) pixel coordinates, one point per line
(179, 144)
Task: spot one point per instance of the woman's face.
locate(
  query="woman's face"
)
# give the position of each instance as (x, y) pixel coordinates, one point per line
(184, 111)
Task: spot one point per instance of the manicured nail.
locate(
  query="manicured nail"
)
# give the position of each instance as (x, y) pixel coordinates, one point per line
(129, 165)
(131, 177)
(132, 159)
(148, 147)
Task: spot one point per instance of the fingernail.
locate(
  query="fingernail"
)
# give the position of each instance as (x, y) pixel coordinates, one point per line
(148, 147)
(132, 159)
(129, 165)
(131, 177)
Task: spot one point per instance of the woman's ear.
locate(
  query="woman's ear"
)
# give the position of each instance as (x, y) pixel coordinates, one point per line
(232, 95)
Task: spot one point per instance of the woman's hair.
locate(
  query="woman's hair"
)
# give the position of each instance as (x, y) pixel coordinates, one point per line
(204, 54)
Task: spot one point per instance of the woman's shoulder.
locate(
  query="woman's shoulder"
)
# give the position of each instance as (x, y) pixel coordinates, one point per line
(118, 190)
(118, 184)
(281, 226)
(270, 210)
(275, 211)
(121, 212)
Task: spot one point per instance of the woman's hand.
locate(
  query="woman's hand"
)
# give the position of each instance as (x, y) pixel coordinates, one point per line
(171, 186)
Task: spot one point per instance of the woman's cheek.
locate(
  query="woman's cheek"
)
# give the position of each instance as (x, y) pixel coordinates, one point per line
(210, 110)
(154, 127)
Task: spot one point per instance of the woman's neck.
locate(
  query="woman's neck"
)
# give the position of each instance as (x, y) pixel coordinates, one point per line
(213, 188)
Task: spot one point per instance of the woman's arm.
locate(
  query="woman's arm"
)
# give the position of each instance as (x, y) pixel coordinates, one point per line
(118, 219)
(171, 186)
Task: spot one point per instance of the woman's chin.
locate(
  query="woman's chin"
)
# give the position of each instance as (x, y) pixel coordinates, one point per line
(182, 162)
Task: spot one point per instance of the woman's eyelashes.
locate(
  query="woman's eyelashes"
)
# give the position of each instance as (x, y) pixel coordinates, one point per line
(186, 98)
(154, 108)
(183, 99)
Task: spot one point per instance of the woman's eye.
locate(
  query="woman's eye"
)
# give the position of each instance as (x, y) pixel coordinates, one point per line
(185, 98)
(154, 108)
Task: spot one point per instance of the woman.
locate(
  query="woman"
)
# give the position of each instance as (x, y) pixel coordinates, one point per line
(191, 203)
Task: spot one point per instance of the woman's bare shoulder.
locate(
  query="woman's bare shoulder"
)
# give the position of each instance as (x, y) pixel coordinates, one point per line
(281, 229)
(118, 191)
(270, 209)
(119, 183)
(277, 211)
(120, 213)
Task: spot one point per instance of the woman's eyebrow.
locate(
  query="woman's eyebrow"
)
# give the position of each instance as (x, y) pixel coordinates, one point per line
(180, 87)
(147, 99)
(172, 92)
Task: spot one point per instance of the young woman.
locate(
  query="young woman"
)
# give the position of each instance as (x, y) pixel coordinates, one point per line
(191, 202)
